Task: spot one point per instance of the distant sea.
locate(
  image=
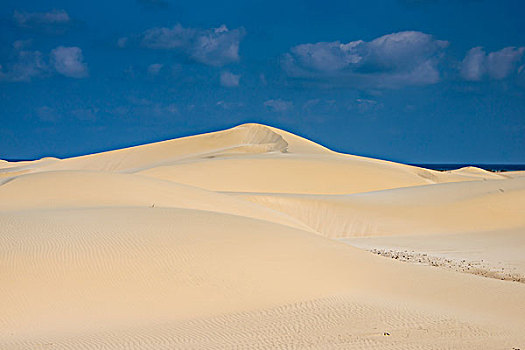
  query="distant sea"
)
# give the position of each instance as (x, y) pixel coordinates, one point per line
(490, 167)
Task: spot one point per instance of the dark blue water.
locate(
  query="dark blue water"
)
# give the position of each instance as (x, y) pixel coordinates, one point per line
(490, 167)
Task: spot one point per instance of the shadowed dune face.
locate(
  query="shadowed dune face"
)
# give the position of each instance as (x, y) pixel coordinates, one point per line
(229, 240)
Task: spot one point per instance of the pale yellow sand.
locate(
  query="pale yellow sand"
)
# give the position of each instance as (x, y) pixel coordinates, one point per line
(69, 273)
(139, 249)
(472, 206)
(515, 173)
(253, 158)
(84, 189)
(494, 254)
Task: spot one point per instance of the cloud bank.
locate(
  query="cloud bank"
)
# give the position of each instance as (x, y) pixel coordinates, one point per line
(27, 64)
(213, 47)
(69, 61)
(478, 65)
(30, 19)
(51, 22)
(393, 60)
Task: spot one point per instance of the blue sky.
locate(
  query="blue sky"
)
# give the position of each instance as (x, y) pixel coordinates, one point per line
(420, 81)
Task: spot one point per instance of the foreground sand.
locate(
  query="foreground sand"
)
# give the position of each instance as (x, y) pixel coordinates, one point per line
(255, 238)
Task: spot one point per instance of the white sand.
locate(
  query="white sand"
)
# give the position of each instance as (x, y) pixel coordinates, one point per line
(232, 240)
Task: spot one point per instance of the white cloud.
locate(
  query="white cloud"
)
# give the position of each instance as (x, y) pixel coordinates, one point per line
(167, 38)
(155, 68)
(28, 19)
(214, 47)
(278, 105)
(520, 80)
(25, 66)
(229, 79)
(398, 59)
(498, 65)
(502, 63)
(217, 47)
(69, 61)
(473, 65)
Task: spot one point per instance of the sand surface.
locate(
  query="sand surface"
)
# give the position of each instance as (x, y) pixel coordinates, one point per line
(255, 238)
(491, 254)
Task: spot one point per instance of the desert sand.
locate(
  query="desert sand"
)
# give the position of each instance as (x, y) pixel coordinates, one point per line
(255, 238)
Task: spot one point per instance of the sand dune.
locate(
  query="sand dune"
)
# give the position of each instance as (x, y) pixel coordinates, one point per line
(253, 158)
(478, 173)
(304, 173)
(512, 174)
(442, 208)
(253, 237)
(10, 169)
(244, 139)
(68, 272)
(83, 189)
(476, 227)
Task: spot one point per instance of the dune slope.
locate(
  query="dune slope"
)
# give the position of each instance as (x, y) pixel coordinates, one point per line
(442, 208)
(91, 189)
(67, 273)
